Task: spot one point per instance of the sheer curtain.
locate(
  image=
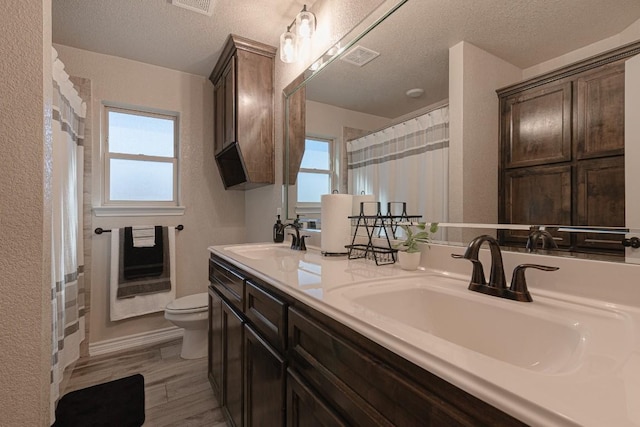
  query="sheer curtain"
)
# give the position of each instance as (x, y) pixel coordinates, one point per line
(67, 288)
(407, 162)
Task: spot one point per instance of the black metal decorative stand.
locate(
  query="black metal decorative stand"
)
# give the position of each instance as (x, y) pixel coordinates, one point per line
(379, 224)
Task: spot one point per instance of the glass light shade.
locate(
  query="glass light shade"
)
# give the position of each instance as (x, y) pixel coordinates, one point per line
(288, 48)
(305, 24)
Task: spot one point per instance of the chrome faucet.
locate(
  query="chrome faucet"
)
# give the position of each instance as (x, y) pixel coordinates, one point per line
(544, 236)
(497, 285)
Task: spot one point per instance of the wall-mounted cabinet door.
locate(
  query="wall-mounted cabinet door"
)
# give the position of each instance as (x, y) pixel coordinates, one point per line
(224, 120)
(536, 126)
(600, 112)
(600, 200)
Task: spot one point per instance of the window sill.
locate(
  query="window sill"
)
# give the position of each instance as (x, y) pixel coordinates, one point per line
(138, 210)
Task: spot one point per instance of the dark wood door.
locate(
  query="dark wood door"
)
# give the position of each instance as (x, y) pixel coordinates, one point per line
(264, 386)
(229, 77)
(600, 112)
(600, 201)
(232, 343)
(536, 126)
(537, 195)
(215, 343)
(305, 408)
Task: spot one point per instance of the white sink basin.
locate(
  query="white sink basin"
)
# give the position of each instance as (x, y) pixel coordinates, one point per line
(545, 336)
(261, 251)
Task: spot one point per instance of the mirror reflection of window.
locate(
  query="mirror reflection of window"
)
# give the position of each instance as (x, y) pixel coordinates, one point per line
(314, 177)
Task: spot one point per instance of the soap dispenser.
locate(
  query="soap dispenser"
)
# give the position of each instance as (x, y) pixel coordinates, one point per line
(278, 231)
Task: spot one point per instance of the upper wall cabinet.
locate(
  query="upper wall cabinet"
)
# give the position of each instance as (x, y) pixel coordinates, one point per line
(562, 150)
(243, 113)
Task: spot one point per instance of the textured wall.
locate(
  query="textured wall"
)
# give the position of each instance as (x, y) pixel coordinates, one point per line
(212, 215)
(25, 93)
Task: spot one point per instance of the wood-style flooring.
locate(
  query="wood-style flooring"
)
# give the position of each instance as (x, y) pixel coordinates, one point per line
(177, 391)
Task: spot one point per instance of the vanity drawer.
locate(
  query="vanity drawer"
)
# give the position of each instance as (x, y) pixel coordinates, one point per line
(229, 283)
(267, 314)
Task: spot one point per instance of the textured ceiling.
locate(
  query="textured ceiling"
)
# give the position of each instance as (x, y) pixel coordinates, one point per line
(414, 43)
(156, 32)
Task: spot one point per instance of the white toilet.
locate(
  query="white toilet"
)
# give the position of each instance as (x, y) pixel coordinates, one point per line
(191, 314)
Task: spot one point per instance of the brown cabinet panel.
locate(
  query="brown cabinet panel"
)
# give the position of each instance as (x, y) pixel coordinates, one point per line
(229, 283)
(537, 126)
(267, 314)
(600, 112)
(264, 386)
(305, 408)
(232, 375)
(600, 200)
(243, 96)
(215, 343)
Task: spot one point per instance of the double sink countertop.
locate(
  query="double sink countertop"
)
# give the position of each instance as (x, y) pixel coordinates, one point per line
(563, 359)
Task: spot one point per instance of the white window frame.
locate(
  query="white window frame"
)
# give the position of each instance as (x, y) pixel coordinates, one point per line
(138, 207)
(312, 209)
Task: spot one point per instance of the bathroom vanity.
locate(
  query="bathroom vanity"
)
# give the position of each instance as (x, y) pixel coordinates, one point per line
(296, 338)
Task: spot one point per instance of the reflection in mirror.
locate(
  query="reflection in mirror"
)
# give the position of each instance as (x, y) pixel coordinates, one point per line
(459, 54)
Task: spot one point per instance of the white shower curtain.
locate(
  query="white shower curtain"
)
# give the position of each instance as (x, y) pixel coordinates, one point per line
(407, 162)
(67, 288)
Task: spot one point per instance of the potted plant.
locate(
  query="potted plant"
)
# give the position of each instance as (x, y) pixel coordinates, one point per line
(408, 250)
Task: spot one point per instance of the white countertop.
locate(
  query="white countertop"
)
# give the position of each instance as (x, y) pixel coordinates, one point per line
(600, 389)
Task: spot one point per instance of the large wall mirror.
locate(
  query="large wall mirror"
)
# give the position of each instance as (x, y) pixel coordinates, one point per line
(432, 69)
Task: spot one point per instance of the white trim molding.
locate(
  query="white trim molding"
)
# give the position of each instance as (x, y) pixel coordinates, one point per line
(135, 340)
(138, 210)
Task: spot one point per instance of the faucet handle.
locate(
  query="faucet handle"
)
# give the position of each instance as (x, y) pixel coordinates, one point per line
(302, 245)
(519, 283)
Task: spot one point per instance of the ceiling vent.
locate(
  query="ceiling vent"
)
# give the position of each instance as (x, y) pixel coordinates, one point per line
(360, 56)
(201, 6)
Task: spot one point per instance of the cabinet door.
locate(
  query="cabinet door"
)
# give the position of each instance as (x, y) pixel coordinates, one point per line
(601, 192)
(305, 408)
(229, 77)
(232, 379)
(264, 387)
(536, 126)
(215, 343)
(218, 115)
(537, 195)
(600, 112)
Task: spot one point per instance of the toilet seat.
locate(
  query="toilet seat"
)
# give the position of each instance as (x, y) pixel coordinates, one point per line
(189, 304)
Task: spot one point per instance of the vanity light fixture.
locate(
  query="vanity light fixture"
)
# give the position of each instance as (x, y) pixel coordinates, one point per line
(288, 47)
(292, 44)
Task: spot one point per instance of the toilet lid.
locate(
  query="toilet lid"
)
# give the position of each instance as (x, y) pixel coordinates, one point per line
(189, 302)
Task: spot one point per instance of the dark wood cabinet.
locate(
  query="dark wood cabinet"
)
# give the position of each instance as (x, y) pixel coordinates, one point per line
(562, 152)
(300, 367)
(215, 342)
(265, 384)
(243, 113)
(232, 366)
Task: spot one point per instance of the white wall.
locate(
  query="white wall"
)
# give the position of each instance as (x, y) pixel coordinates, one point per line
(632, 141)
(25, 212)
(212, 215)
(474, 76)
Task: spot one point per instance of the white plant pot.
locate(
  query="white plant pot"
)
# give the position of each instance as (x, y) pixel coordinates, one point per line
(409, 260)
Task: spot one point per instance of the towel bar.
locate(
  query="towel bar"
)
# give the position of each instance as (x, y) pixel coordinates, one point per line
(102, 230)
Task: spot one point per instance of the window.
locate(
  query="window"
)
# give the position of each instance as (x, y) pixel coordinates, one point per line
(314, 176)
(141, 161)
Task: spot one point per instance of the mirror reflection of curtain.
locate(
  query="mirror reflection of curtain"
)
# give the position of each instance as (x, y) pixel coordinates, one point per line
(406, 162)
(67, 288)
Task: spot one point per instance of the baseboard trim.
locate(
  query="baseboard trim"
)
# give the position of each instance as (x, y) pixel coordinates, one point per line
(135, 340)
